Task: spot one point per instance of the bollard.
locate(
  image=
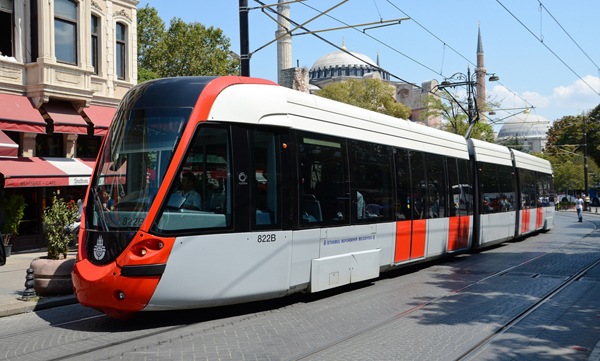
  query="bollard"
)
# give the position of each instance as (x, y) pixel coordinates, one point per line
(29, 292)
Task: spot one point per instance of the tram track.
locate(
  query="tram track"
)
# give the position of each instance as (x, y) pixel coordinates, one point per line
(480, 346)
(474, 351)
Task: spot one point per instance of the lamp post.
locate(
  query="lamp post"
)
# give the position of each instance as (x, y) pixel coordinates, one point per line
(460, 79)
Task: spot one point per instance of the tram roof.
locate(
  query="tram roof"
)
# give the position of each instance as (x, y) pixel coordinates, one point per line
(528, 161)
(279, 106)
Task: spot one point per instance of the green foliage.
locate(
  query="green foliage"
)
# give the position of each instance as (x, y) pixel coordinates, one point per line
(145, 75)
(454, 118)
(56, 219)
(568, 130)
(568, 169)
(371, 94)
(184, 49)
(14, 207)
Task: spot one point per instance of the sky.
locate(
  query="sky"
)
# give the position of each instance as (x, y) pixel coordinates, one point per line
(546, 53)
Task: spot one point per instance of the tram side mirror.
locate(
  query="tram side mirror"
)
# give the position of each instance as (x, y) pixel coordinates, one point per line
(176, 201)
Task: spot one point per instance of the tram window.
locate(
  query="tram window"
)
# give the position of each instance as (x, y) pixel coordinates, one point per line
(324, 185)
(419, 185)
(527, 182)
(404, 199)
(436, 185)
(207, 168)
(540, 191)
(266, 185)
(371, 181)
(465, 207)
(489, 188)
(506, 188)
(455, 189)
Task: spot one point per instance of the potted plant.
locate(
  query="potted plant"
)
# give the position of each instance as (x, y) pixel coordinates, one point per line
(13, 207)
(52, 274)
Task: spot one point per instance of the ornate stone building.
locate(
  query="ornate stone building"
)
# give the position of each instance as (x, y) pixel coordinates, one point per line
(64, 66)
(345, 65)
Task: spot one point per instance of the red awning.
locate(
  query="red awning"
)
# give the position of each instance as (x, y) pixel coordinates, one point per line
(101, 117)
(65, 118)
(8, 148)
(44, 172)
(17, 113)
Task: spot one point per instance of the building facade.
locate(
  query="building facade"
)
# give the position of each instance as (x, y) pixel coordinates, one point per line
(64, 66)
(343, 65)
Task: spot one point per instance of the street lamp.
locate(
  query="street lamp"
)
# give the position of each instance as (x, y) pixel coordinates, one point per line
(460, 79)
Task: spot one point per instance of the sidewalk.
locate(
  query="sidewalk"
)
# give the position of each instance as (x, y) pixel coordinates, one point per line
(12, 285)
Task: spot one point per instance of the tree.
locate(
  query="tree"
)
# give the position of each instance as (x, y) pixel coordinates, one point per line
(567, 166)
(568, 130)
(371, 94)
(56, 220)
(184, 49)
(13, 207)
(455, 120)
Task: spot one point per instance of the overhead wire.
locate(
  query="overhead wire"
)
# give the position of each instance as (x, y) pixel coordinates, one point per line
(547, 47)
(569, 35)
(451, 48)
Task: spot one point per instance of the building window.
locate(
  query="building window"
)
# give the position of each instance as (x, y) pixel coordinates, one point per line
(65, 31)
(95, 32)
(33, 23)
(120, 50)
(6, 27)
(88, 146)
(49, 145)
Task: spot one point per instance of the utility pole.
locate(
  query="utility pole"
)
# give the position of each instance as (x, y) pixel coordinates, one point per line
(244, 39)
(585, 160)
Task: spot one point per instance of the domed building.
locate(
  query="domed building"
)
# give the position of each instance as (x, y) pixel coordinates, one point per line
(529, 130)
(343, 65)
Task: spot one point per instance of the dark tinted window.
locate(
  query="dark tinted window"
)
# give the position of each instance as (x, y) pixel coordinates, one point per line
(436, 185)
(419, 185)
(266, 185)
(404, 200)
(324, 185)
(370, 169)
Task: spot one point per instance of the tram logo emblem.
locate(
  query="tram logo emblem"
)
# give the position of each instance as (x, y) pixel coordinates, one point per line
(99, 249)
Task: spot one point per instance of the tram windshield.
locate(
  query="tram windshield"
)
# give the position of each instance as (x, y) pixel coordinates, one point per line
(132, 166)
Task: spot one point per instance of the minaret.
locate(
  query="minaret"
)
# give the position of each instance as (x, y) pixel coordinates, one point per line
(480, 73)
(284, 45)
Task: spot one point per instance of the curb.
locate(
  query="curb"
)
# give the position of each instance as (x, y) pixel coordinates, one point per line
(42, 304)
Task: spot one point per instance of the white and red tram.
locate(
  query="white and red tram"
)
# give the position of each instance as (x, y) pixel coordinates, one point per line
(211, 191)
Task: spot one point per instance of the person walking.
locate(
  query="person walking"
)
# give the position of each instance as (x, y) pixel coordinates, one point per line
(579, 207)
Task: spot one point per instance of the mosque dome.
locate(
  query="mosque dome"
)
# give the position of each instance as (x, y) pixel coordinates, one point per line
(341, 58)
(344, 63)
(529, 126)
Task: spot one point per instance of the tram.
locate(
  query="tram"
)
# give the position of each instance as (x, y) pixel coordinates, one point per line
(211, 191)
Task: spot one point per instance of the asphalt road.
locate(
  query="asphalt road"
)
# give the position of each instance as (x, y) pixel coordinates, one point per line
(463, 307)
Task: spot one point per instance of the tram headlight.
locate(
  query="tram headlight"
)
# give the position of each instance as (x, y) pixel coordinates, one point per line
(160, 245)
(119, 295)
(143, 252)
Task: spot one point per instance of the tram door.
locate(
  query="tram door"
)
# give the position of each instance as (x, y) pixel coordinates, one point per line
(410, 207)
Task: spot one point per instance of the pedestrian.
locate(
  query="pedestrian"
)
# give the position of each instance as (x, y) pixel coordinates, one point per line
(579, 207)
(587, 202)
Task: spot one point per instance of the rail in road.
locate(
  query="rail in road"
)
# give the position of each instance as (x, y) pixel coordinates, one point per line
(494, 304)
